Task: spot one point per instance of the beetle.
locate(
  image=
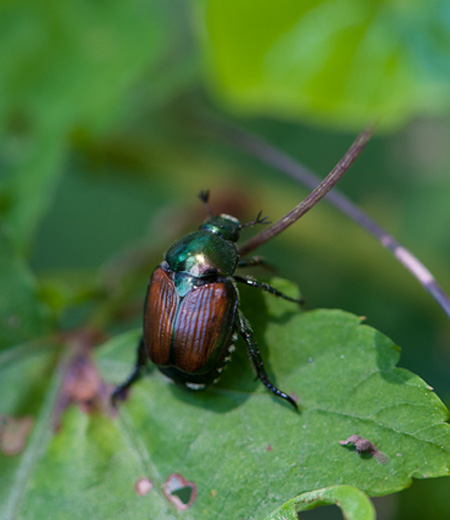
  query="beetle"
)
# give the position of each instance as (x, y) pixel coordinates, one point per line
(191, 312)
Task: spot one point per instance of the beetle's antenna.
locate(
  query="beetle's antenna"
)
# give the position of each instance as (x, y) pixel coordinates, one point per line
(204, 197)
(258, 220)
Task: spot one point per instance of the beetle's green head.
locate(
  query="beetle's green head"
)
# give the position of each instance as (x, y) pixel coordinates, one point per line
(226, 226)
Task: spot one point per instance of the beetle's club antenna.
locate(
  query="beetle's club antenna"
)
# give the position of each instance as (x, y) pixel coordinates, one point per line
(204, 197)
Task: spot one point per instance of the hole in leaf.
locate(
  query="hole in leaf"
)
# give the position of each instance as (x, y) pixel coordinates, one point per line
(322, 513)
(179, 491)
(184, 494)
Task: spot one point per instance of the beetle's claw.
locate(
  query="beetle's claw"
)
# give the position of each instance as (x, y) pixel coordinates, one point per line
(291, 401)
(118, 394)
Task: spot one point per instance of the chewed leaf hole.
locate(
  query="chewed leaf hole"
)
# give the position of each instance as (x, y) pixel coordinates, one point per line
(319, 513)
(184, 494)
(179, 491)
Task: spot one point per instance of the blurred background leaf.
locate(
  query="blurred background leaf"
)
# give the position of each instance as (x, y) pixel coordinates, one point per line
(65, 66)
(23, 316)
(339, 62)
(106, 140)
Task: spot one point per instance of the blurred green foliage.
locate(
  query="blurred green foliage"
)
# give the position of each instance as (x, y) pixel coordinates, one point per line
(105, 113)
(339, 62)
(65, 65)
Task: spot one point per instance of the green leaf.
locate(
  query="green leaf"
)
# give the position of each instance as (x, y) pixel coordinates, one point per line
(22, 315)
(70, 53)
(26, 376)
(339, 62)
(354, 504)
(242, 452)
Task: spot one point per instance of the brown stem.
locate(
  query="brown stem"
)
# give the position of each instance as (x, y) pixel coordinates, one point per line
(313, 198)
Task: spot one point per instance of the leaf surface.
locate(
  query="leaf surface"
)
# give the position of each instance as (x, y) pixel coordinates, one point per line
(243, 451)
(22, 315)
(66, 69)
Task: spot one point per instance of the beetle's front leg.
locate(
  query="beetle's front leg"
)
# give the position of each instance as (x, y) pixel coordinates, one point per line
(119, 393)
(257, 362)
(266, 287)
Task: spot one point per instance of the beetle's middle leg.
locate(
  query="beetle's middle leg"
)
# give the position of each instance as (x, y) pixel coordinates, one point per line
(266, 287)
(257, 362)
(119, 392)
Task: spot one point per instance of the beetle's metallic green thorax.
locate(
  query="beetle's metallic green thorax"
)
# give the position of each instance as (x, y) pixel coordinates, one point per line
(209, 251)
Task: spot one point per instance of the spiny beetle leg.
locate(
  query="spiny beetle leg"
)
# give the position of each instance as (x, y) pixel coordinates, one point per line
(266, 287)
(258, 364)
(119, 393)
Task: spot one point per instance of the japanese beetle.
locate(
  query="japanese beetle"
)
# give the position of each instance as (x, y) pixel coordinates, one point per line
(191, 311)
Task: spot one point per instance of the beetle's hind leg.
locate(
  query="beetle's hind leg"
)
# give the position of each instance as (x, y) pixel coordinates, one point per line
(119, 393)
(266, 287)
(257, 362)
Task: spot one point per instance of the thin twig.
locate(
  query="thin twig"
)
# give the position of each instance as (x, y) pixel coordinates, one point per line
(269, 154)
(313, 198)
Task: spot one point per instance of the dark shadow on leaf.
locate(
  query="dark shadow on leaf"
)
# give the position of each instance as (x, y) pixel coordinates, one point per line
(211, 399)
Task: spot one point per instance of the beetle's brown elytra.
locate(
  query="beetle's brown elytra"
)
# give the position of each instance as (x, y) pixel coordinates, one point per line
(185, 332)
(161, 307)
